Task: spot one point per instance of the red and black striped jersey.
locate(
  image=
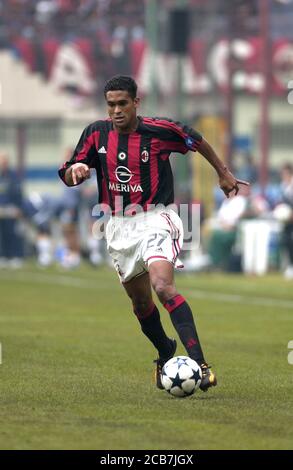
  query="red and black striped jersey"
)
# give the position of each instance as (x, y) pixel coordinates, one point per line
(134, 168)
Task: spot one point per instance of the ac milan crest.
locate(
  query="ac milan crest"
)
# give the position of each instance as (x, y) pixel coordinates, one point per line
(144, 156)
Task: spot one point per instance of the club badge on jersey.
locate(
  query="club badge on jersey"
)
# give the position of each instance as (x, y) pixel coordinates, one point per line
(144, 156)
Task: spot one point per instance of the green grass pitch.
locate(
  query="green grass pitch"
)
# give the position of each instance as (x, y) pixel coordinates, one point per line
(76, 371)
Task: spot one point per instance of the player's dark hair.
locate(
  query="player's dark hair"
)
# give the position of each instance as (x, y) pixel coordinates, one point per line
(121, 82)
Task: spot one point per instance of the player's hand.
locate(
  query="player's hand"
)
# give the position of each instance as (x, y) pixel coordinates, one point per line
(229, 183)
(79, 173)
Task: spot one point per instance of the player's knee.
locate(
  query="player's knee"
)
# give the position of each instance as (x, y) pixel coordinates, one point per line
(141, 306)
(164, 290)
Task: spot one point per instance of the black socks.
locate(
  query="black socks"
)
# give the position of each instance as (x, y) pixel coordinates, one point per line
(152, 327)
(183, 323)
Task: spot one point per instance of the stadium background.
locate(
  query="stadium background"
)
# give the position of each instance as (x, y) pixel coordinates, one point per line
(56, 56)
(227, 69)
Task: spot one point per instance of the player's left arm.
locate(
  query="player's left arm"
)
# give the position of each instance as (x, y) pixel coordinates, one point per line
(227, 180)
(183, 138)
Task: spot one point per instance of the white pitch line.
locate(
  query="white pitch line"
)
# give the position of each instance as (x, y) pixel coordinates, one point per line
(53, 279)
(236, 298)
(83, 283)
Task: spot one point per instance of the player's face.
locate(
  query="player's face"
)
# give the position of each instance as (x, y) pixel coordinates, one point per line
(122, 110)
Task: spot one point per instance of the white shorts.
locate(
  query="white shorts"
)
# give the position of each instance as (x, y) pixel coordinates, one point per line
(136, 242)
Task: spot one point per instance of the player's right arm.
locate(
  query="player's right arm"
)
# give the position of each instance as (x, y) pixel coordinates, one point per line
(77, 169)
(76, 174)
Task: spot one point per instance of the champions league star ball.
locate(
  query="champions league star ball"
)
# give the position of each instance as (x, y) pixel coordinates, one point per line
(181, 376)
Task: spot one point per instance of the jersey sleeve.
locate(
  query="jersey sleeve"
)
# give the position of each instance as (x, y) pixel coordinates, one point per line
(85, 151)
(178, 137)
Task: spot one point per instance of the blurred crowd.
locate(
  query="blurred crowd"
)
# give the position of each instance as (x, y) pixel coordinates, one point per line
(101, 29)
(250, 232)
(100, 38)
(52, 229)
(67, 18)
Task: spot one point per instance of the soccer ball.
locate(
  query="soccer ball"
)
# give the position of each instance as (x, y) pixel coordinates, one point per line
(181, 376)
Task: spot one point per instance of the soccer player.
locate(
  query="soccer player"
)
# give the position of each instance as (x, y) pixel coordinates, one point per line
(131, 156)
